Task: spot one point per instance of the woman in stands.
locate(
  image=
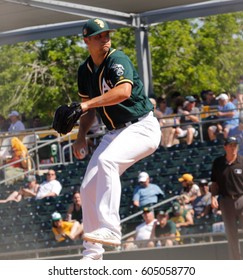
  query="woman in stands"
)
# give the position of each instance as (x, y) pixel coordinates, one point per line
(23, 192)
(75, 209)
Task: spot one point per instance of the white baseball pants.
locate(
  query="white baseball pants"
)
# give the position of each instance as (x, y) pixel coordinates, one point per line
(101, 186)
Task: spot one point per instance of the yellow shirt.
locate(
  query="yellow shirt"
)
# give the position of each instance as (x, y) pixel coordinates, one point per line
(65, 228)
(177, 219)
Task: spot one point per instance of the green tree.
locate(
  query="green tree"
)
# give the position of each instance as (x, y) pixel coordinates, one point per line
(15, 75)
(43, 75)
(191, 55)
(172, 48)
(124, 39)
(57, 75)
(219, 56)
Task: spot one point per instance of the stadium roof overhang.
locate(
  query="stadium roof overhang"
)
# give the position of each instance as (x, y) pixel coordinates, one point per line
(25, 20)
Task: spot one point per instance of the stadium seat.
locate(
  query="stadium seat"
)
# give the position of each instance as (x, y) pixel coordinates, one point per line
(5, 148)
(30, 141)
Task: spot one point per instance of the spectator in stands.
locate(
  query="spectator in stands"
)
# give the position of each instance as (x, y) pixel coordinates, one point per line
(228, 118)
(189, 191)
(4, 125)
(30, 191)
(19, 151)
(51, 187)
(189, 115)
(239, 93)
(18, 160)
(234, 100)
(16, 124)
(163, 108)
(209, 98)
(165, 231)
(180, 216)
(202, 204)
(238, 133)
(168, 132)
(157, 113)
(208, 111)
(198, 102)
(146, 194)
(75, 209)
(142, 232)
(178, 104)
(62, 229)
(36, 122)
(227, 182)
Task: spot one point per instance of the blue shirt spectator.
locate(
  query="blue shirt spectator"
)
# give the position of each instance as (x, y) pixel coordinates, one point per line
(202, 204)
(16, 124)
(228, 118)
(238, 133)
(226, 106)
(146, 194)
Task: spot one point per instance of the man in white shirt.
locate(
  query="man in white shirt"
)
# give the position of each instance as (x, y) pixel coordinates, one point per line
(141, 239)
(50, 187)
(16, 123)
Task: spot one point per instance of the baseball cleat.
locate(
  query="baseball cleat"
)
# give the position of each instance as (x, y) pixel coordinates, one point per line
(103, 236)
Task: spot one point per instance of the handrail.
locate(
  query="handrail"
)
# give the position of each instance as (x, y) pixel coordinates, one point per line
(141, 211)
(69, 145)
(151, 207)
(37, 165)
(25, 172)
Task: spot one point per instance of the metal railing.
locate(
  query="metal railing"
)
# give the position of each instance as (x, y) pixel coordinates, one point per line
(139, 213)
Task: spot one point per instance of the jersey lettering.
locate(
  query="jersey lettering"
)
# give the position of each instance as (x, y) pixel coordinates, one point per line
(105, 86)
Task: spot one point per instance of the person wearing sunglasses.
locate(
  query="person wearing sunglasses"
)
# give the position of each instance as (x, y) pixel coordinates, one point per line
(50, 187)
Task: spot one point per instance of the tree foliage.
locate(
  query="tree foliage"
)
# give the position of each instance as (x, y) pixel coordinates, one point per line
(191, 55)
(187, 56)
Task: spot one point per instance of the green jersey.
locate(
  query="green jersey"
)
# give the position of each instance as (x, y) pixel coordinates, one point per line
(115, 70)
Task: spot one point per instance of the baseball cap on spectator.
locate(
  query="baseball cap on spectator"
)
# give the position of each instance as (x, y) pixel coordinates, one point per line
(56, 216)
(143, 176)
(203, 182)
(176, 207)
(14, 113)
(94, 27)
(230, 140)
(162, 213)
(190, 98)
(31, 178)
(222, 96)
(147, 209)
(186, 177)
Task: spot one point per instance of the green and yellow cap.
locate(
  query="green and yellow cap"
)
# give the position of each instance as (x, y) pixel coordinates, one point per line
(95, 26)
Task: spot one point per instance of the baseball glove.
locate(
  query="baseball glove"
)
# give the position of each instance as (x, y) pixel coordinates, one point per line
(66, 117)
